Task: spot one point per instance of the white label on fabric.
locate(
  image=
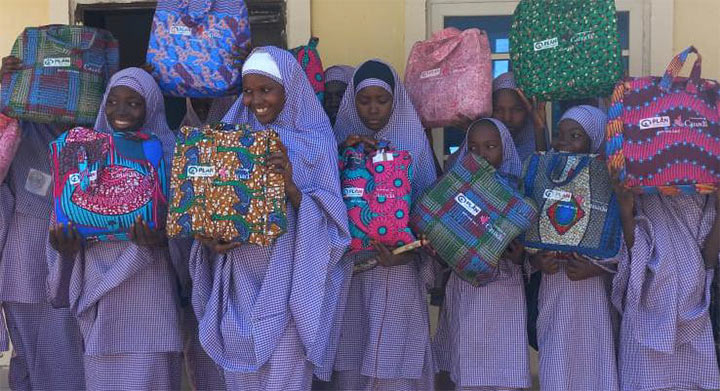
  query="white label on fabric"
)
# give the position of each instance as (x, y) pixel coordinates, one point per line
(557, 195)
(431, 73)
(383, 156)
(57, 62)
(38, 182)
(467, 204)
(200, 171)
(353, 192)
(180, 29)
(654, 122)
(546, 44)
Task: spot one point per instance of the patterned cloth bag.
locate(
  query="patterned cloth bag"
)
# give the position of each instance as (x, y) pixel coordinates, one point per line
(221, 186)
(64, 73)
(578, 211)
(470, 215)
(309, 59)
(102, 182)
(662, 134)
(566, 49)
(449, 77)
(196, 47)
(9, 143)
(377, 192)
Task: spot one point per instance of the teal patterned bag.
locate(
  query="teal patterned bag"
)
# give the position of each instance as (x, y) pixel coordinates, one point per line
(566, 49)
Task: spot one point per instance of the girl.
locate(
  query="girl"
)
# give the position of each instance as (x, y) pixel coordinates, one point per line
(337, 78)
(526, 125)
(265, 314)
(124, 294)
(200, 112)
(577, 323)
(46, 341)
(481, 338)
(385, 342)
(662, 289)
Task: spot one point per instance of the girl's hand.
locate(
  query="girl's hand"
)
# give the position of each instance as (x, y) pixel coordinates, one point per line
(545, 262)
(515, 252)
(536, 109)
(142, 235)
(386, 258)
(625, 197)
(217, 246)
(427, 246)
(65, 239)
(580, 268)
(280, 164)
(10, 64)
(368, 142)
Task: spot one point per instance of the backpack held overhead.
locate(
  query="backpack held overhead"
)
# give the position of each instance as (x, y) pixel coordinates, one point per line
(309, 59)
(197, 47)
(663, 132)
(64, 73)
(565, 49)
(578, 211)
(449, 77)
(470, 215)
(103, 181)
(221, 186)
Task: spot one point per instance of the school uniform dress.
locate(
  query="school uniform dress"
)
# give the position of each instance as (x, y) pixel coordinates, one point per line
(385, 333)
(266, 313)
(124, 296)
(46, 341)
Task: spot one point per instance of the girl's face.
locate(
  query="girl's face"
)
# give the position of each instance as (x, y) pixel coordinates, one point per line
(201, 107)
(484, 140)
(334, 92)
(509, 109)
(264, 97)
(571, 138)
(374, 107)
(125, 109)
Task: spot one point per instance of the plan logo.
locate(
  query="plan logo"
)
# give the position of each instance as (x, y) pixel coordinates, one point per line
(557, 195)
(431, 73)
(57, 62)
(654, 122)
(546, 44)
(353, 192)
(180, 29)
(200, 171)
(466, 203)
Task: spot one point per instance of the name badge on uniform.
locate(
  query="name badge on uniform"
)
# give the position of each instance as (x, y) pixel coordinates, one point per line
(38, 182)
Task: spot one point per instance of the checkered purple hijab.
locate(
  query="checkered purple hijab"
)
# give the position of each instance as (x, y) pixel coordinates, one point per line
(341, 73)
(593, 121)
(404, 130)
(525, 141)
(155, 121)
(311, 249)
(511, 163)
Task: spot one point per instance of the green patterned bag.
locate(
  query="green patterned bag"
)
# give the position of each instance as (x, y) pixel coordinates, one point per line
(566, 49)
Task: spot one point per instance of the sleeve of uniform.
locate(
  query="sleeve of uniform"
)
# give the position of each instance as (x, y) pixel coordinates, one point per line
(60, 269)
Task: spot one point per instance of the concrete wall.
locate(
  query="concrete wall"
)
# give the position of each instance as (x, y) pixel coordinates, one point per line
(697, 23)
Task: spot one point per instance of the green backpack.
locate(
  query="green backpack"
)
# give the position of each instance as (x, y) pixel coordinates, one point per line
(566, 49)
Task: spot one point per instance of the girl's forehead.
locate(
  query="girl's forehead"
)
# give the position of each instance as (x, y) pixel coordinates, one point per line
(485, 129)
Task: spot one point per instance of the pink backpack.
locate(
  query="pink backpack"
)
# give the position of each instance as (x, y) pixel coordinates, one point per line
(9, 143)
(449, 77)
(309, 59)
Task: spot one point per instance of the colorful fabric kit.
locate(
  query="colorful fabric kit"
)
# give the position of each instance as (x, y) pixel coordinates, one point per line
(64, 73)
(102, 182)
(565, 49)
(663, 132)
(221, 186)
(197, 47)
(9, 143)
(578, 211)
(377, 192)
(449, 77)
(470, 216)
(309, 59)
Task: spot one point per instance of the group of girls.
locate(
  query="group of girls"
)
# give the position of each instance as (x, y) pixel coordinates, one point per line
(126, 315)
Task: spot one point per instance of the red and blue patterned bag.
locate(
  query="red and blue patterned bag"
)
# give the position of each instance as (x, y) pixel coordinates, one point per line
(377, 192)
(65, 70)
(102, 182)
(662, 134)
(197, 47)
(309, 60)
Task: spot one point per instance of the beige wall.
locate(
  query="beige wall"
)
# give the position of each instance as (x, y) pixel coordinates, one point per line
(696, 23)
(15, 15)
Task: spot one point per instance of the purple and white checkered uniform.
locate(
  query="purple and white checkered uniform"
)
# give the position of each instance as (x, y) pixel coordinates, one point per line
(262, 308)
(481, 338)
(47, 343)
(124, 296)
(577, 324)
(663, 292)
(385, 341)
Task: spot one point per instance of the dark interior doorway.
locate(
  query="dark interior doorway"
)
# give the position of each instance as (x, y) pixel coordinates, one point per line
(130, 23)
